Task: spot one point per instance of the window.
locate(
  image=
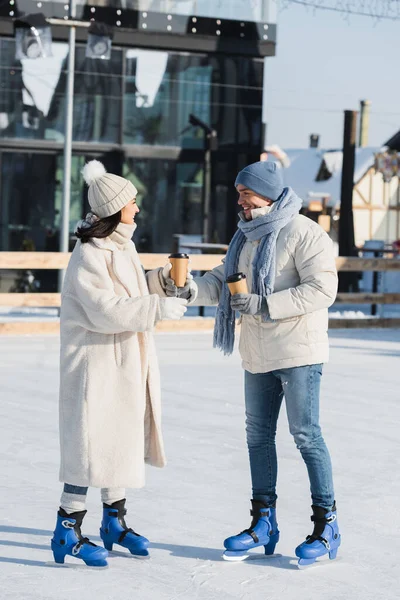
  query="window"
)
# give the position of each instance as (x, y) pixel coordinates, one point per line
(163, 89)
(32, 95)
(170, 201)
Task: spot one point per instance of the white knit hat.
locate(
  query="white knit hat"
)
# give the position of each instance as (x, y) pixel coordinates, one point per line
(108, 193)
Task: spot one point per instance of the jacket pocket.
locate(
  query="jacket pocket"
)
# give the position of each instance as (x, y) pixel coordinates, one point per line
(244, 349)
(117, 350)
(277, 321)
(289, 319)
(317, 327)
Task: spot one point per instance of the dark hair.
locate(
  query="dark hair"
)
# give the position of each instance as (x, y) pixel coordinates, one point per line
(100, 229)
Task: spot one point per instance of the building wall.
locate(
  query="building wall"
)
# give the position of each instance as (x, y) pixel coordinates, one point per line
(131, 112)
(376, 206)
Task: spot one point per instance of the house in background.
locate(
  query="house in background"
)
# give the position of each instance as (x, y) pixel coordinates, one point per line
(315, 174)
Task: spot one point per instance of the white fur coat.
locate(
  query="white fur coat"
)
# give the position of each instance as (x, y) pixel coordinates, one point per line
(110, 406)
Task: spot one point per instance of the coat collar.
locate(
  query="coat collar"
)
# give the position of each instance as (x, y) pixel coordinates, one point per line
(120, 239)
(104, 244)
(119, 265)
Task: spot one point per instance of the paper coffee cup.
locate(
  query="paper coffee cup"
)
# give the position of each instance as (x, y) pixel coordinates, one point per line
(179, 264)
(237, 284)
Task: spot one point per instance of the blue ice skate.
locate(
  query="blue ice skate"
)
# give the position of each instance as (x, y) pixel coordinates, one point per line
(68, 540)
(115, 531)
(325, 538)
(263, 531)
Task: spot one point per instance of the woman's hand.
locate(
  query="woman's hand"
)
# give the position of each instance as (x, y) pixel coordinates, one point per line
(172, 309)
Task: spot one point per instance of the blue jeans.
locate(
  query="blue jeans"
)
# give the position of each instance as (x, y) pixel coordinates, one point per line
(263, 396)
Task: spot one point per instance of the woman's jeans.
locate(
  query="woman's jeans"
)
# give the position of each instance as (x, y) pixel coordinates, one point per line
(263, 395)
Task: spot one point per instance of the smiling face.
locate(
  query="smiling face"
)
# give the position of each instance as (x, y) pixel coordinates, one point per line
(249, 200)
(129, 212)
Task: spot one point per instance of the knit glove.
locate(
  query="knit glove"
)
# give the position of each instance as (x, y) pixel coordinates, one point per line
(172, 309)
(188, 292)
(250, 304)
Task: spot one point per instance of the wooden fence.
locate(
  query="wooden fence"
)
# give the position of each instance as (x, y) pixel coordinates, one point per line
(199, 262)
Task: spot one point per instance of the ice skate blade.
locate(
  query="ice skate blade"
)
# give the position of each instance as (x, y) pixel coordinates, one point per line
(231, 556)
(304, 564)
(83, 566)
(127, 554)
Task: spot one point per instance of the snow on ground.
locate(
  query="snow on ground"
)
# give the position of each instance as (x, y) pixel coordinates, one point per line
(202, 496)
(337, 311)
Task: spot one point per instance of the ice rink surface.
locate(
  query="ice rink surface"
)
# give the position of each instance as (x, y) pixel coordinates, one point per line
(202, 496)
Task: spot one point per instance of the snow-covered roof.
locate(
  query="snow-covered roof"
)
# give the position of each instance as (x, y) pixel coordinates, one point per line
(333, 161)
(305, 164)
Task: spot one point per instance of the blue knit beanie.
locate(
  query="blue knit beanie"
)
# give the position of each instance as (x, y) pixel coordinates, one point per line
(264, 178)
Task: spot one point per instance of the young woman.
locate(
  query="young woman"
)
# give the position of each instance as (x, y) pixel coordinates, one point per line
(110, 411)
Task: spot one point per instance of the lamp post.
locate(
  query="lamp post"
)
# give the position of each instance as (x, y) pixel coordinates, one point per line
(103, 51)
(99, 46)
(69, 110)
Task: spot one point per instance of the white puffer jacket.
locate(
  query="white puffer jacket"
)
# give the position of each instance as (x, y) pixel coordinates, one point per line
(305, 286)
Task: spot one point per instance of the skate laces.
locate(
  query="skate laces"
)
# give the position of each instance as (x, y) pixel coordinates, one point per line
(318, 538)
(125, 533)
(331, 519)
(68, 524)
(324, 519)
(121, 518)
(78, 545)
(316, 535)
(257, 516)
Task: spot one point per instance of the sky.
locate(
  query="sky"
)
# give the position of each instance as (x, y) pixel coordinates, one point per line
(325, 64)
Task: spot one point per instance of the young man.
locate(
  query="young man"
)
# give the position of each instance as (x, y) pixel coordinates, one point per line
(291, 276)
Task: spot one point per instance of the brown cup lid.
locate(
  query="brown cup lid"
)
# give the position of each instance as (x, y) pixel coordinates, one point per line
(179, 255)
(235, 277)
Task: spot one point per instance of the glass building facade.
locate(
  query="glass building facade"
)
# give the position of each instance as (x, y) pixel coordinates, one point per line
(131, 112)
